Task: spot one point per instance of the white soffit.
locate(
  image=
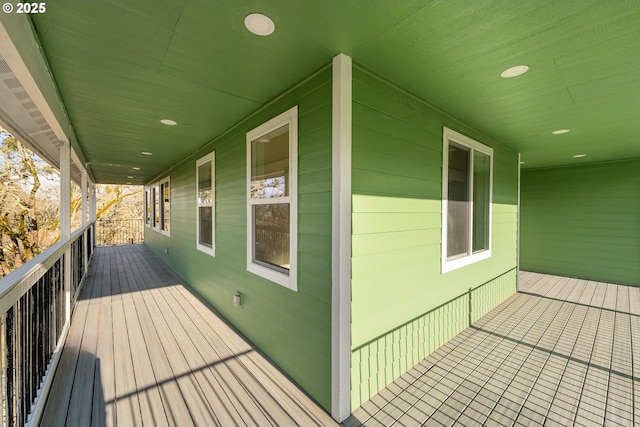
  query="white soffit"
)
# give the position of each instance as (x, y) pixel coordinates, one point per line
(24, 110)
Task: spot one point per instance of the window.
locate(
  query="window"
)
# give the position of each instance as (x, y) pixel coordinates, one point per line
(205, 196)
(466, 203)
(165, 206)
(147, 207)
(272, 152)
(156, 207)
(157, 200)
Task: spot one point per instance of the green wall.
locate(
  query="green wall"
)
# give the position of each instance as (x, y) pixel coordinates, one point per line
(582, 221)
(292, 328)
(403, 308)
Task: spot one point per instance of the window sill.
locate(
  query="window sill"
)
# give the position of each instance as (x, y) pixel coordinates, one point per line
(206, 249)
(274, 276)
(455, 264)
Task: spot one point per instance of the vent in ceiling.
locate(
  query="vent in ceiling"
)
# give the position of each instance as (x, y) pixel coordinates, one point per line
(12, 83)
(21, 95)
(21, 115)
(4, 67)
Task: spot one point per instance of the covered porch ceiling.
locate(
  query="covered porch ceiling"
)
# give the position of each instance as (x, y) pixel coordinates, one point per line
(121, 66)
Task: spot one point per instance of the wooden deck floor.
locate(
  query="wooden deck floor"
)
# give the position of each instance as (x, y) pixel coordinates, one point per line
(563, 352)
(142, 350)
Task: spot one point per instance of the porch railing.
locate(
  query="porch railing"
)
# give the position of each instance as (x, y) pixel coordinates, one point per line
(119, 231)
(36, 301)
(272, 244)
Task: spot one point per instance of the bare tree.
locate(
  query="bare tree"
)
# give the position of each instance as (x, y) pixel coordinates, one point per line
(30, 200)
(20, 180)
(120, 212)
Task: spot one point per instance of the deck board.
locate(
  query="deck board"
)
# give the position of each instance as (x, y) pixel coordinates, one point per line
(143, 350)
(62, 387)
(563, 351)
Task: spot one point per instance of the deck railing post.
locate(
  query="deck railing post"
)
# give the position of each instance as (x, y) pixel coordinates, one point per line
(85, 252)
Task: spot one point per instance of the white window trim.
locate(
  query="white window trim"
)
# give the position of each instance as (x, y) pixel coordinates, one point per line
(150, 192)
(473, 145)
(211, 157)
(161, 192)
(289, 280)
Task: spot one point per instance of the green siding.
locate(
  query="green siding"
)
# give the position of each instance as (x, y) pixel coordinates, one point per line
(292, 328)
(583, 221)
(403, 308)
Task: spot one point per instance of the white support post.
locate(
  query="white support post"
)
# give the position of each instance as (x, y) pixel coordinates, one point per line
(92, 203)
(65, 191)
(85, 240)
(84, 198)
(65, 218)
(341, 239)
(93, 212)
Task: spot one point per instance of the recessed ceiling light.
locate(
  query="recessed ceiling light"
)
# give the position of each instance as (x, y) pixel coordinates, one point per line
(129, 177)
(516, 71)
(146, 153)
(577, 156)
(264, 140)
(560, 131)
(168, 122)
(136, 168)
(259, 24)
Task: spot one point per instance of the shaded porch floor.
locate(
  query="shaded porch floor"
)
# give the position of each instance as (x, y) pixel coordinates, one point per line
(143, 350)
(562, 352)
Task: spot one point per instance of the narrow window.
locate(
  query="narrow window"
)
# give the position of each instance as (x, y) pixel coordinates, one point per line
(156, 207)
(205, 201)
(147, 207)
(466, 204)
(271, 199)
(165, 206)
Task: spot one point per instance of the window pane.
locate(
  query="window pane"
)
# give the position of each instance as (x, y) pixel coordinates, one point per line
(271, 235)
(458, 202)
(206, 225)
(481, 181)
(165, 204)
(204, 183)
(270, 164)
(156, 207)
